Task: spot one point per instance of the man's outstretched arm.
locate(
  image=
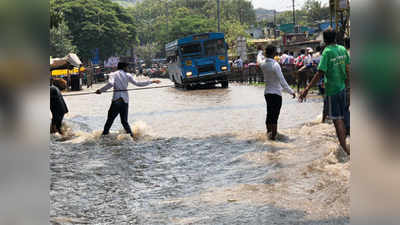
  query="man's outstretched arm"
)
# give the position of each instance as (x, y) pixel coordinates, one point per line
(315, 79)
(143, 83)
(109, 85)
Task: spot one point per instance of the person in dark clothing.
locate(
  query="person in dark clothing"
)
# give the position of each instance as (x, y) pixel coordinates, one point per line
(57, 106)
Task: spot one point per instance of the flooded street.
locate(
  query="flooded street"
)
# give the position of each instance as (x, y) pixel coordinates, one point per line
(201, 158)
(171, 112)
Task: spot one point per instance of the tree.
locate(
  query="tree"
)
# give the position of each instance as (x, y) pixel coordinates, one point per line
(61, 41)
(96, 24)
(186, 24)
(315, 11)
(312, 11)
(233, 30)
(187, 17)
(147, 52)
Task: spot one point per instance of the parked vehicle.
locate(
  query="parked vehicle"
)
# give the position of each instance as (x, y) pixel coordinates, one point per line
(198, 59)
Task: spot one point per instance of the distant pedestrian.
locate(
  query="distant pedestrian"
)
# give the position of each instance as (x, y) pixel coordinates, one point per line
(119, 81)
(239, 63)
(301, 74)
(334, 65)
(300, 59)
(58, 107)
(274, 84)
(307, 60)
(291, 59)
(260, 55)
(284, 58)
(277, 57)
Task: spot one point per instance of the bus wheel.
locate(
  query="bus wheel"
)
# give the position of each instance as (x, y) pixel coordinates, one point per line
(225, 84)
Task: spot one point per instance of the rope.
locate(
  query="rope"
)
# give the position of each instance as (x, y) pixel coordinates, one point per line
(132, 89)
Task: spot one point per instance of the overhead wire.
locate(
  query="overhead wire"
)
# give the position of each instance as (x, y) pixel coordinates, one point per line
(131, 89)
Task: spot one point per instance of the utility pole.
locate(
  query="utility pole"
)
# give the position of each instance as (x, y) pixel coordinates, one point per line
(167, 17)
(218, 15)
(275, 24)
(294, 15)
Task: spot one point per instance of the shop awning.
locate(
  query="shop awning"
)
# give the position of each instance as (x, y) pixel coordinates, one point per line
(68, 62)
(66, 72)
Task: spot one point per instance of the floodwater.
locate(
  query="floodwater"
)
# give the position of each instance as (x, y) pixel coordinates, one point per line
(201, 157)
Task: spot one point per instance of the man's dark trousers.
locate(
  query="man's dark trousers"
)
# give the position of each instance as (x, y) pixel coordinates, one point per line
(118, 107)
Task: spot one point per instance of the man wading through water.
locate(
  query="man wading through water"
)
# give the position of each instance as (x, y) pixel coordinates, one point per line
(334, 65)
(119, 81)
(274, 83)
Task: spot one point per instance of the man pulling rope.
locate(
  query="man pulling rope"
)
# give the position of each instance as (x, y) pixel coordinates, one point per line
(119, 81)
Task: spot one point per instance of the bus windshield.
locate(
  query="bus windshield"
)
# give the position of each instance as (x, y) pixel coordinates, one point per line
(191, 49)
(214, 47)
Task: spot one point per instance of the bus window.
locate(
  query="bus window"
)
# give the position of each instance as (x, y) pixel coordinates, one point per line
(214, 47)
(191, 49)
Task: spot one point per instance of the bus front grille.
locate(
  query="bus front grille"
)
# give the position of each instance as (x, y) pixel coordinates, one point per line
(206, 68)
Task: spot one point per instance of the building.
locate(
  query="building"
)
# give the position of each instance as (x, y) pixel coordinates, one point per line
(256, 33)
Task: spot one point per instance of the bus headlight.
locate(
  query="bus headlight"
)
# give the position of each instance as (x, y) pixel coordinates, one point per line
(223, 68)
(188, 74)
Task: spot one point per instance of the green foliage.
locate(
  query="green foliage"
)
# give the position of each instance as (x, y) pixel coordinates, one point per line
(147, 52)
(233, 30)
(60, 41)
(95, 24)
(315, 11)
(185, 24)
(311, 12)
(186, 17)
(150, 24)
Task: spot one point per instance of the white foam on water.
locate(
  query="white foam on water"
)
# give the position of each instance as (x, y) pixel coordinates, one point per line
(140, 131)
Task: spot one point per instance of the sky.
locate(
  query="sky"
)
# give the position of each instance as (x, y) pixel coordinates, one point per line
(281, 5)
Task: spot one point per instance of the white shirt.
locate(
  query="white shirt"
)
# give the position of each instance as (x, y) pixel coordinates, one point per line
(119, 81)
(260, 57)
(239, 63)
(316, 58)
(308, 59)
(283, 59)
(273, 77)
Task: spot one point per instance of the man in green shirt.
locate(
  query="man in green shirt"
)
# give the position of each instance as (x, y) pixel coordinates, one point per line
(334, 65)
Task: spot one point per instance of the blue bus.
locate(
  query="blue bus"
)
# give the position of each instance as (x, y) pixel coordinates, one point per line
(198, 59)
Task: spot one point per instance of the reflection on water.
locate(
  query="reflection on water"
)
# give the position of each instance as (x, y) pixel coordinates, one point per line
(201, 158)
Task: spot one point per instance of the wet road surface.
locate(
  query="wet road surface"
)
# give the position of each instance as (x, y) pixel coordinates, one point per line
(201, 158)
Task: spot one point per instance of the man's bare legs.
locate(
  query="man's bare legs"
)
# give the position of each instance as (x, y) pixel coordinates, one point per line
(341, 134)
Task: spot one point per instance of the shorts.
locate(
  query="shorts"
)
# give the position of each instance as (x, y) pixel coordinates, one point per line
(337, 106)
(274, 104)
(325, 107)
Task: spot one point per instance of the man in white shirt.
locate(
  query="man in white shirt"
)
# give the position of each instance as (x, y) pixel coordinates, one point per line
(240, 63)
(119, 81)
(274, 84)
